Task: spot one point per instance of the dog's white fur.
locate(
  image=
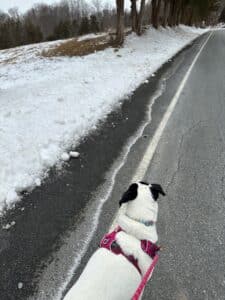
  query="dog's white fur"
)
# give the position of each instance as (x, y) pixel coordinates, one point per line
(112, 277)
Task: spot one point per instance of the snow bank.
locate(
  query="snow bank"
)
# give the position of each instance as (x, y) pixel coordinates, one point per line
(48, 105)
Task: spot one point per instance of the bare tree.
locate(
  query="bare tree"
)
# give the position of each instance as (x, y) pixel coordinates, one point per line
(98, 5)
(140, 17)
(134, 15)
(166, 7)
(154, 12)
(172, 13)
(120, 22)
(14, 12)
(137, 15)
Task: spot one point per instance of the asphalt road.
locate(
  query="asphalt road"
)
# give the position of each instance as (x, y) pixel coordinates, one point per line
(70, 212)
(190, 161)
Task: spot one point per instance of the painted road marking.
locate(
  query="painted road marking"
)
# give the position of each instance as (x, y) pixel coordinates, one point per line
(148, 155)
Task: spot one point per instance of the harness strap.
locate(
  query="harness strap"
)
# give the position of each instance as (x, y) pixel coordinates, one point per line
(145, 279)
(109, 242)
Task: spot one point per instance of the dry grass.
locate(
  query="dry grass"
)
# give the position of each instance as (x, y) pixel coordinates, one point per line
(79, 48)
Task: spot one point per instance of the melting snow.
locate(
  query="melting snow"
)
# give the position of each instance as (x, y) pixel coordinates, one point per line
(74, 154)
(9, 225)
(20, 285)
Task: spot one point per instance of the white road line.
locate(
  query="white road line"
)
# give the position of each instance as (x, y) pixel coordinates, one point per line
(148, 155)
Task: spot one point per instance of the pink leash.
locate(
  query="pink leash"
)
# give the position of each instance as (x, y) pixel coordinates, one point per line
(145, 279)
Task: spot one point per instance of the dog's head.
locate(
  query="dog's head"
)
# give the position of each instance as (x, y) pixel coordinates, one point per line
(142, 192)
(141, 210)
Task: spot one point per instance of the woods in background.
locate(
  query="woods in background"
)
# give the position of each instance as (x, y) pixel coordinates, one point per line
(70, 18)
(169, 13)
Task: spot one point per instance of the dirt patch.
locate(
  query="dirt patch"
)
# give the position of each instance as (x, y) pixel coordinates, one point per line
(79, 48)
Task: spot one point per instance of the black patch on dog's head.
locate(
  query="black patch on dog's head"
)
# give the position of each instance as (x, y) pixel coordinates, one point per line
(156, 189)
(143, 182)
(130, 194)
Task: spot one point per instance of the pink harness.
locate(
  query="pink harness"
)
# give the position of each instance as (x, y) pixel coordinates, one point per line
(109, 242)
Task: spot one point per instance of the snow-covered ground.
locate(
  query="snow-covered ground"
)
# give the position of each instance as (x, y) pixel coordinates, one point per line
(49, 104)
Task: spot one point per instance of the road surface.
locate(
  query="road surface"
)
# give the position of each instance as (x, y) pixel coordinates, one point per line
(59, 225)
(190, 161)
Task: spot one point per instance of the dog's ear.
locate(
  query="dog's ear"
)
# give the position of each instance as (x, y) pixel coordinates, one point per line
(130, 194)
(156, 189)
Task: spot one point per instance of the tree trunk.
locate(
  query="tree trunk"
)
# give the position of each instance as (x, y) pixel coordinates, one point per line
(191, 17)
(178, 18)
(120, 22)
(158, 7)
(140, 17)
(172, 13)
(183, 13)
(134, 15)
(165, 13)
(178, 12)
(154, 5)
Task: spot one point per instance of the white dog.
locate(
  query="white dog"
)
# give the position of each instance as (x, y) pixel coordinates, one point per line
(116, 269)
